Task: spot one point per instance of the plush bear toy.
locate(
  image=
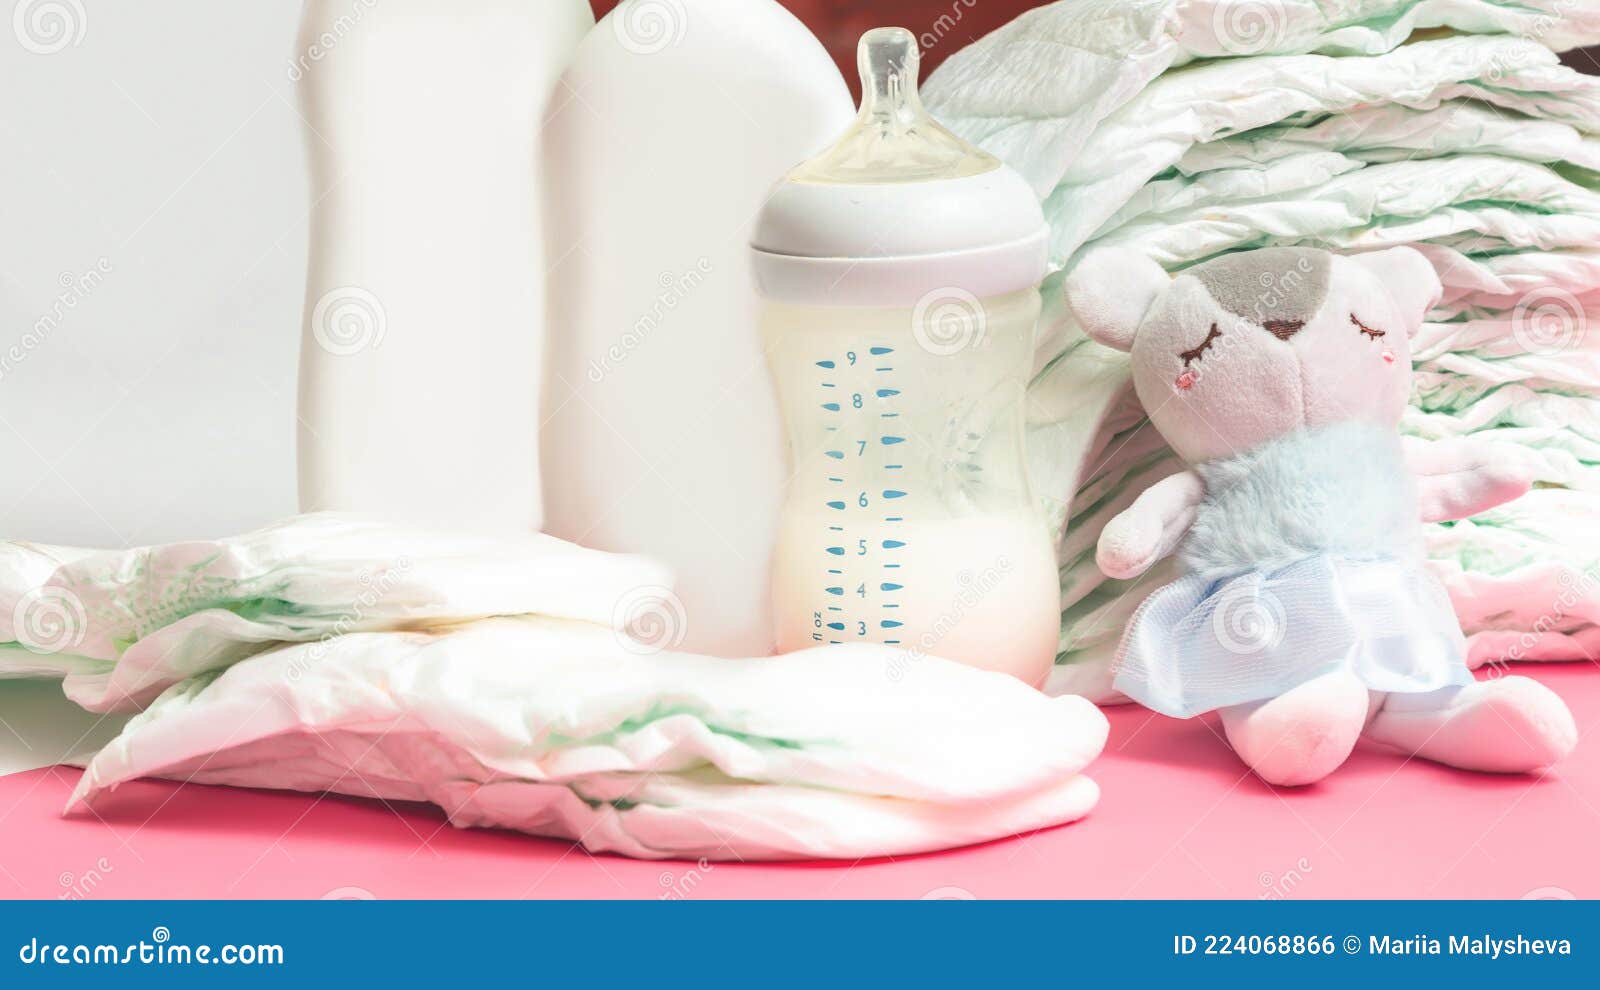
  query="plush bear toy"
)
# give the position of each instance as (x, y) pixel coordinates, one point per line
(1306, 615)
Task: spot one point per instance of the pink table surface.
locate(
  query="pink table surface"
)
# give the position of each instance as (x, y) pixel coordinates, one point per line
(1178, 819)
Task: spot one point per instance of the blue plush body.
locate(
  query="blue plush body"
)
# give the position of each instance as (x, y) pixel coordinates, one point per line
(1342, 490)
(1303, 558)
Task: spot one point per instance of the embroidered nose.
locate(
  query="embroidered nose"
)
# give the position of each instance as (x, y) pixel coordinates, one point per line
(1284, 329)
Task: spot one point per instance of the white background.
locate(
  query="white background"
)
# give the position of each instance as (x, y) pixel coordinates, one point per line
(165, 147)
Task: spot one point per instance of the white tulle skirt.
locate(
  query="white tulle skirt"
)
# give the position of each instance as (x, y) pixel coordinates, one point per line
(1200, 643)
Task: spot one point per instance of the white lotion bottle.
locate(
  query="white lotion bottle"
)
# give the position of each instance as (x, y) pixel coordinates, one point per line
(425, 303)
(662, 434)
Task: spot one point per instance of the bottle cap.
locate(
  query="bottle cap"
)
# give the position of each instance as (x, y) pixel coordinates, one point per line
(898, 207)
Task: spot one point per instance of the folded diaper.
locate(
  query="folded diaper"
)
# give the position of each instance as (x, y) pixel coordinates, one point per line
(122, 626)
(1388, 132)
(1188, 128)
(1524, 577)
(531, 685)
(1216, 101)
(1034, 91)
(555, 728)
(1346, 206)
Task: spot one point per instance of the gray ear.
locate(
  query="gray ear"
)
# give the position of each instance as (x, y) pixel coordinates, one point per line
(1410, 279)
(1110, 290)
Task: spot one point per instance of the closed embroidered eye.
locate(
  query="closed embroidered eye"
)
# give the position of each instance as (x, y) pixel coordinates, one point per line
(1374, 334)
(1205, 345)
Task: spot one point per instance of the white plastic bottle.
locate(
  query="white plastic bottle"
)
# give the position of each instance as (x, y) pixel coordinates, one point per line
(425, 305)
(901, 270)
(662, 434)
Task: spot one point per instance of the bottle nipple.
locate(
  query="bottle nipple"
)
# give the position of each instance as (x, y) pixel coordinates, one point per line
(889, 64)
(893, 138)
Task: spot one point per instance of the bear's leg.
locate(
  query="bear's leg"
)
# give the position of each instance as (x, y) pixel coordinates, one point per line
(1511, 725)
(1303, 735)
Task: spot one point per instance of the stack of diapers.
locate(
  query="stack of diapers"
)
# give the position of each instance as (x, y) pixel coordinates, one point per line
(526, 684)
(1190, 128)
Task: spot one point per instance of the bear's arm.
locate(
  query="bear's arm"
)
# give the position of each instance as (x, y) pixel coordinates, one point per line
(1151, 527)
(1461, 477)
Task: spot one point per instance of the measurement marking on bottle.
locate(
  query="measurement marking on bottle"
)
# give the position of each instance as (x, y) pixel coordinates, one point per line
(858, 604)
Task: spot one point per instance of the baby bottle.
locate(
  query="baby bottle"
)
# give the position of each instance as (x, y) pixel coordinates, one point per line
(899, 271)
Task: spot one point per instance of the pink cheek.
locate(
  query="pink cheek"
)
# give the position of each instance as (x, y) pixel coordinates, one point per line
(1388, 356)
(1185, 380)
